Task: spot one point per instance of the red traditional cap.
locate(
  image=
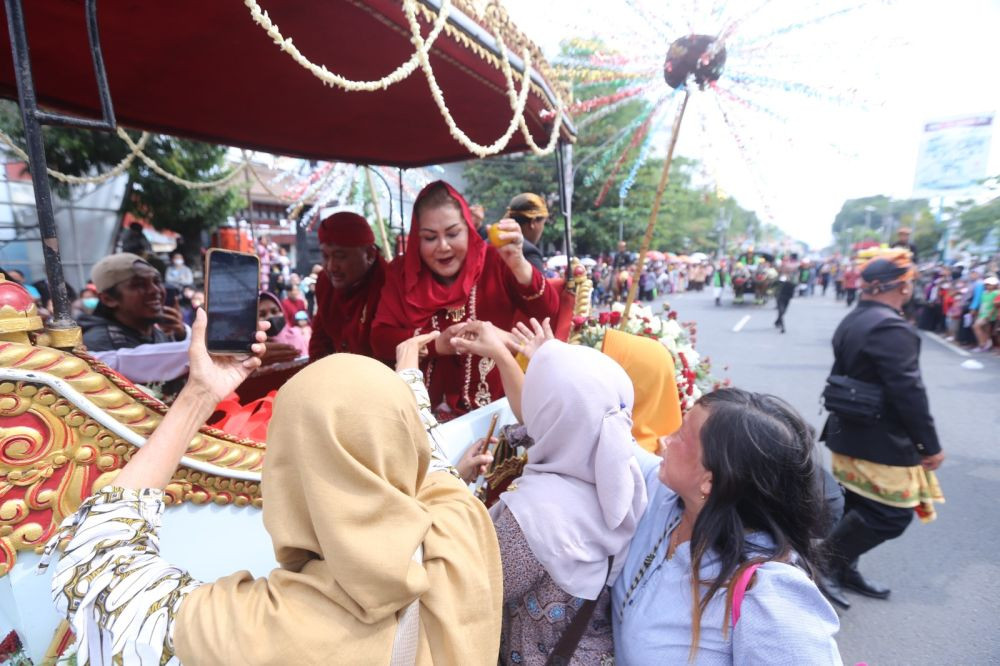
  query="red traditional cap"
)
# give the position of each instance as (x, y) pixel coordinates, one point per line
(346, 230)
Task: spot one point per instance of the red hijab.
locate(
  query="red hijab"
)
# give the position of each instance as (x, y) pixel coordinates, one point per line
(420, 295)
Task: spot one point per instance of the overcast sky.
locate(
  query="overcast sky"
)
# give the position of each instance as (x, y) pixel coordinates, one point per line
(910, 60)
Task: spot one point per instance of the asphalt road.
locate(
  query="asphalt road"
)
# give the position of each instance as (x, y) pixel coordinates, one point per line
(944, 576)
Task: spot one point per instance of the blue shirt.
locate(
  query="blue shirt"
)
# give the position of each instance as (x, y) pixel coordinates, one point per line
(784, 618)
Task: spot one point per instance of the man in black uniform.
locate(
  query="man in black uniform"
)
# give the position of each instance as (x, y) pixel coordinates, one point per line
(881, 463)
(788, 273)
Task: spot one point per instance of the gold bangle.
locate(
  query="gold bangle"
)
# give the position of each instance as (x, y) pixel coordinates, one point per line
(540, 292)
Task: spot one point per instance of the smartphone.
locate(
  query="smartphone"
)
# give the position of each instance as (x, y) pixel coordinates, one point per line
(232, 290)
(172, 295)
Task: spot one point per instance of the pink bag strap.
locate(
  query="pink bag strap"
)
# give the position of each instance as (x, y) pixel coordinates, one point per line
(741, 589)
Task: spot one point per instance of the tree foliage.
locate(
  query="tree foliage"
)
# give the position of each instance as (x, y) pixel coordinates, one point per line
(687, 220)
(688, 217)
(978, 221)
(148, 195)
(876, 218)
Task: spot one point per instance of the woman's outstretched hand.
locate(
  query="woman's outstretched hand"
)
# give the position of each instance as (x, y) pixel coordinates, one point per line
(409, 352)
(530, 339)
(216, 376)
(481, 338)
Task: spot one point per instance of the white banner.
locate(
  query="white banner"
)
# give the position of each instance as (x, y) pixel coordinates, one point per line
(954, 154)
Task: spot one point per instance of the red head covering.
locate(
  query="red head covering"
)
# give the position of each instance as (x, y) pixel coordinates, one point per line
(422, 295)
(346, 230)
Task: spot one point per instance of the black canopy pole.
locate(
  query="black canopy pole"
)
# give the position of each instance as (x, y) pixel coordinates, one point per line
(64, 329)
(564, 171)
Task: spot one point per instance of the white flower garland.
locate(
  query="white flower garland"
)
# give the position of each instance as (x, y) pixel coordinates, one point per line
(335, 80)
(421, 58)
(517, 101)
(118, 169)
(177, 180)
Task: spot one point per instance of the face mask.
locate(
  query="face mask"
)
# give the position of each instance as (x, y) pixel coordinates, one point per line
(90, 303)
(178, 262)
(277, 323)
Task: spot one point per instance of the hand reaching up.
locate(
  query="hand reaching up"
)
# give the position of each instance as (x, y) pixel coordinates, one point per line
(530, 339)
(409, 352)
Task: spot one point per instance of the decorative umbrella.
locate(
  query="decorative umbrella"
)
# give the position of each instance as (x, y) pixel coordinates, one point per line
(654, 255)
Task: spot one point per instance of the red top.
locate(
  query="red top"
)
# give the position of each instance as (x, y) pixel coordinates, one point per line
(343, 320)
(851, 278)
(497, 297)
(289, 306)
(412, 301)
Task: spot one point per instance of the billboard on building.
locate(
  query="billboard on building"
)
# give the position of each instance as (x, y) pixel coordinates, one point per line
(954, 154)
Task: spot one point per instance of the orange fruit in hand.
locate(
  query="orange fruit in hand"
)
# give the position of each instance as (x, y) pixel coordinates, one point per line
(494, 234)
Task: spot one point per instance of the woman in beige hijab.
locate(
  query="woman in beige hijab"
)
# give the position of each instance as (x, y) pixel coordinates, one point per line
(361, 527)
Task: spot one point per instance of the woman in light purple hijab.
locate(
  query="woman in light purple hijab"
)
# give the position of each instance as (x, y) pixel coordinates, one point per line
(576, 505)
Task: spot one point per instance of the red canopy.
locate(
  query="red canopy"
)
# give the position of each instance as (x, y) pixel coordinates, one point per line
(205, 70)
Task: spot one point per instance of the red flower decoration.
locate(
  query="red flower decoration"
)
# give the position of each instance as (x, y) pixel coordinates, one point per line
(615, 318)
(11, 644)
(604, 318)
(579, 321)
(672, 314)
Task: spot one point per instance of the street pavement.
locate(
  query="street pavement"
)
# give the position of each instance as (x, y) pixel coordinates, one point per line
(944, 576)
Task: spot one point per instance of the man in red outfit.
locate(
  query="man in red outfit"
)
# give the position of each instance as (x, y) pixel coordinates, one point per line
(347, 290)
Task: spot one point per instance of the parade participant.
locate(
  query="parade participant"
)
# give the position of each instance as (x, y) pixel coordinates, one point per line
(178, 273)
(903, 241)
(732, 507)
(86, 304)
(131, 311)
(285, 341)
(348, 288)
(787, 274)
(720, 280)
(529, 211)
(883, 460)
(986, 315)
(565, 529)
(294, 303)
(650, 366)
(851, 279)
(449, 276)
(348, 575)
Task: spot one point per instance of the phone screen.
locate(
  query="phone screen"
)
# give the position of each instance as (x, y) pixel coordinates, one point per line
(232, 292)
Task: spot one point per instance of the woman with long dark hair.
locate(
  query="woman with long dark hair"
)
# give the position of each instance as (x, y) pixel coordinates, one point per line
(732, 506)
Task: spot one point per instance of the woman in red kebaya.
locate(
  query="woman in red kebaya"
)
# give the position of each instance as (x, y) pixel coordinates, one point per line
(449, 275)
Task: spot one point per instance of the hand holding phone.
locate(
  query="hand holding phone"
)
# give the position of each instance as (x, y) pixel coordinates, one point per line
(213, 377)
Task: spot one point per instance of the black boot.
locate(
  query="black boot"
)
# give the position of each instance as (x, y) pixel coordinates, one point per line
(850, 538)
(852, 579)
(830, 586)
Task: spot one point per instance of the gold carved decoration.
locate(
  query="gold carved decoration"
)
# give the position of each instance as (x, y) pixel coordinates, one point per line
(53, 455)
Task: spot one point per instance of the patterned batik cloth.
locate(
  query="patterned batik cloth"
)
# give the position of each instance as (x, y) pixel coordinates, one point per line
(537, 612)
(903, 487)
(119, 595)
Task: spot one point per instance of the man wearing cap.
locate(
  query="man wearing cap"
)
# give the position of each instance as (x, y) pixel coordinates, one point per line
(903, 241)
(883, 462)
(348, 288)
(529, 210)
(131, 311)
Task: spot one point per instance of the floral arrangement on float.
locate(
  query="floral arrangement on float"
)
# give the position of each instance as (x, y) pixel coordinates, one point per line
(693, 372)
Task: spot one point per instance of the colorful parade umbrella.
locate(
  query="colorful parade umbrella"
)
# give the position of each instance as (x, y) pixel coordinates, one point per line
(654, 255)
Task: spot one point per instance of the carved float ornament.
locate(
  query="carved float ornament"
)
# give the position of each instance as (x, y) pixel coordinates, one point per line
(53, 454)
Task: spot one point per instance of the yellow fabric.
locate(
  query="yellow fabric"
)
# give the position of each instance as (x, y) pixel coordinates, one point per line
(346, 503)
(903, 487)
(650, 366)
